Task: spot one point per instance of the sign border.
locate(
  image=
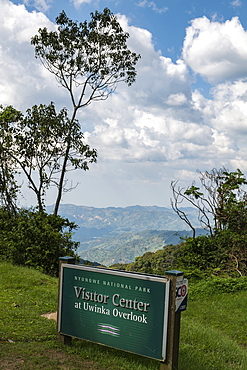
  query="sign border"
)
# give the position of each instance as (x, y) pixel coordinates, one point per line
(133, 275)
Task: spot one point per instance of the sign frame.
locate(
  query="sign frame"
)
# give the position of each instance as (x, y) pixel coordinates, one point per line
(159, 283)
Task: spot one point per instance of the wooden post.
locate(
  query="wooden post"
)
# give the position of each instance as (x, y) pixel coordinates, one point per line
(65, 339)
(173, 330)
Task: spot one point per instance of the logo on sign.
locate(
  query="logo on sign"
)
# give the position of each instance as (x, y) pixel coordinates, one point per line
(181, 295)
(181, 291)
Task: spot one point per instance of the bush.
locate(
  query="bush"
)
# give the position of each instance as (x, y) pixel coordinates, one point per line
(36, 239)
(223, 254)
(216, 285)
(155, 262)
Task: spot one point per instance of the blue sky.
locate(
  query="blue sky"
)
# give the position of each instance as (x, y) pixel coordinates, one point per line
(186, 111)
(166, 20)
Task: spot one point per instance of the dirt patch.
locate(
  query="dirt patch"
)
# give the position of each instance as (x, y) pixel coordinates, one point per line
(50, 316)
(56, 355)
(66, 362)
(11, 364)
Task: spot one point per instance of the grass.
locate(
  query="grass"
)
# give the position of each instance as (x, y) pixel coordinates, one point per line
(213, 329)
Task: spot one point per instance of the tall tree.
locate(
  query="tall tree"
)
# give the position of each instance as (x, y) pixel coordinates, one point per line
(221, 201)
(35, 143)
(88, 59)
(8, 183)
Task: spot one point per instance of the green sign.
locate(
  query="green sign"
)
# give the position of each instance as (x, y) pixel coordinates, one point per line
(123, 310)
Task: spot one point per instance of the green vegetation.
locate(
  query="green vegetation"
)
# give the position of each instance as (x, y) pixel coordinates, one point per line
(213, 334)
(87, 59)
(113, 221)
(35, 239)
(35, 143)
(125, 247)
(222, 209)
(152, 262)
(221, 203)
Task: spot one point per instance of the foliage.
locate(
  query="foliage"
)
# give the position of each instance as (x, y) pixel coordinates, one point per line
(217, 285)
(124, 248)
(212, 336)
(35, 143)
(223, 254)
(221, 206)
(88, 59)
(36, 239)
(153, 262)
(91, 57)
(222, 210)
(204, 256)
(8, 185)
(201, 255)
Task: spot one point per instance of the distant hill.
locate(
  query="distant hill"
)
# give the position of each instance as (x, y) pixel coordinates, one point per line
(98, 222)
(114, 234)
(125, 247)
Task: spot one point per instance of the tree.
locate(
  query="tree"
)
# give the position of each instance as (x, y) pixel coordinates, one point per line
(222, 207)
(36, 144)
(36, 239)
(88, 59)
(8, 185)
(221, 202)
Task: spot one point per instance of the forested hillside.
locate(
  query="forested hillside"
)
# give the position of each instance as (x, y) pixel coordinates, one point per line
(124, 248)
(118, 235)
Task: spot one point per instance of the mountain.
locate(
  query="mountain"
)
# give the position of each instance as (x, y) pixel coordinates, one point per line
(114, 234)
(98, 222)
(125, 247)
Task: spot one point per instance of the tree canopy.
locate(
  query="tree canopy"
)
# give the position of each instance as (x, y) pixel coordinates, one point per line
(35, 143)
(88, 59)
(36, 239)
(221, 201)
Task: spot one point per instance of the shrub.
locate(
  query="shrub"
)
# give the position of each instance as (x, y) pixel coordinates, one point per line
(36, 239)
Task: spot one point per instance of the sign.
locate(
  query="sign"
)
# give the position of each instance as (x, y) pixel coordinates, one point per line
(181, 295)
(119, 309)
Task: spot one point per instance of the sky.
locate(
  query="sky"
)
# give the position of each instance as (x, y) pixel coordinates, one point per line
(187, 110)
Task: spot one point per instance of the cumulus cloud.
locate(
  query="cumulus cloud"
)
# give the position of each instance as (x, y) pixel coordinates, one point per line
(158, 76)
(226, 113)
(160, 120)
(176, 99)
(23, 79)
(227, 110)
(217, 51)
(158, 129)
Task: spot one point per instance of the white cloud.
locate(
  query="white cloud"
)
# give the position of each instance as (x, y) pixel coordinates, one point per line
(216, 51)
(23, 80)
(160, 120)
(236, 3)
(176, 99)
(77, 3)
(152, 5)
(156, 130)
(41, 5)
(158, 76)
